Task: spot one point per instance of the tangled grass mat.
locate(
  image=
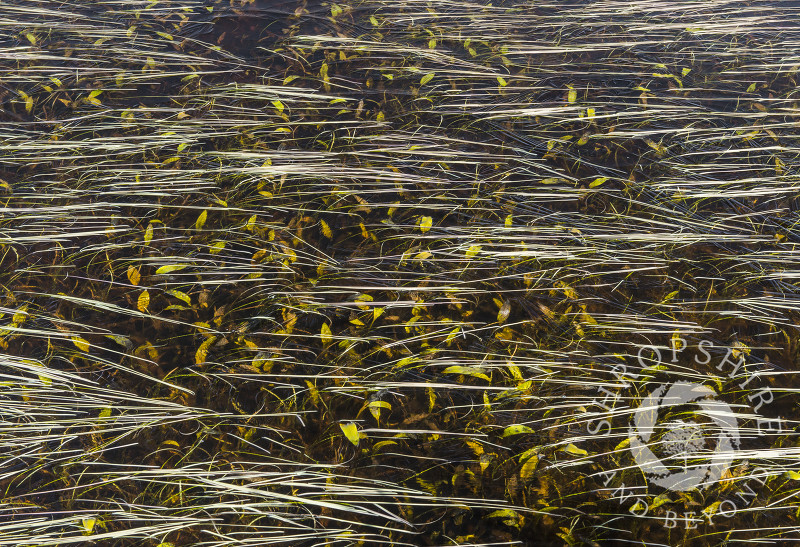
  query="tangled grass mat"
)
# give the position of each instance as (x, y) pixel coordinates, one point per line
(383, 272)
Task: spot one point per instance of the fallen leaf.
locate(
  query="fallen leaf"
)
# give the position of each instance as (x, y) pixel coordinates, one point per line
(133, 275)
(425, 224)
(81, 344)
(516, 429)
(467, 371)
(350, 431)
(170, 268)
(143, 301)
(427, 78)
(326, 334)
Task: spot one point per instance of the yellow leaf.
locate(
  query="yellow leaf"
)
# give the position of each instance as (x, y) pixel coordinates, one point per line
(201, 220)
(170, 268)
(250, 344)
(326, 334)
(179, 295)
(794, 475)
(659, 500)
(20, 316)
(509, 221)
(326, 230)
(597, 182)
(81, 344)
(350, 431)
(425, 224)
(670, 296)
(472, 251)
(363, 298)
(516, 373)
(88, 525)
(143, 301)
(452, 335)
(502, 81)
(381, 444)
(258, 256)
(262, 363)
(427, 78)
(148, 234)
(590, 112)
(467, 371)
(572, 96)
(375, 408)
(202, 352)
(516, 429)
(712, 509)
(133, 275)
(31, 38)
(216, 247)
(105, 413)
(405, 361)
(28, 104)
(528, 468)
(510, 518)
(574, 450)
(476, 447)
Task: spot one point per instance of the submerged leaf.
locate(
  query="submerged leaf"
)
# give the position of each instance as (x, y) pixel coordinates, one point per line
(425, 224)
(170, 268)
(326, 230)
(516, 429)
(201, 220)
(350, 431)
(326, 334)
(81, 343)
(143, 301)
(467, 371)
(133, 275)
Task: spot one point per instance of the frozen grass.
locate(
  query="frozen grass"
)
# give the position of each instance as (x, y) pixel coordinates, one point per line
(354, 274)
